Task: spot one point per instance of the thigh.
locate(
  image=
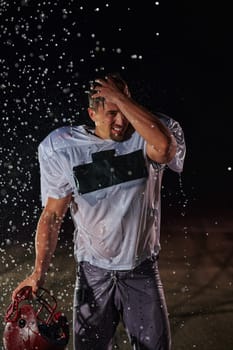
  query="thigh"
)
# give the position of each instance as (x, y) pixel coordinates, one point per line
(144, 308)
(94, 317)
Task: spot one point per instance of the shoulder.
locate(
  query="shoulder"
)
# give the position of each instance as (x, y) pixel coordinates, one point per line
(61, 138)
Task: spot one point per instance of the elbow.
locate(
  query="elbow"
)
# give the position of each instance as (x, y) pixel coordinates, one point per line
(170, 149)
(165, 153)
(164, 157)
(170, 152)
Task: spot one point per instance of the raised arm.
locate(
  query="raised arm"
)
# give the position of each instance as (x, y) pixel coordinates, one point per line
(161, 144)
(46, 238)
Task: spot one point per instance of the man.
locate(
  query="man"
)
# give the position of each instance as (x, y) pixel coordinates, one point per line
(110, 177)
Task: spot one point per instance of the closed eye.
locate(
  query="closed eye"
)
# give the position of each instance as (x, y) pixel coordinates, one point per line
(112, 113)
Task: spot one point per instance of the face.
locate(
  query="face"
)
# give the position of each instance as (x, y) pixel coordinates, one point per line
(110, 123)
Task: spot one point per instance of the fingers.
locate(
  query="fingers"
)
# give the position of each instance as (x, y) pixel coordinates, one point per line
(97, 93)
(17, 290)
(104, 87)
(107, 82)
(102, 81)
(32, 282)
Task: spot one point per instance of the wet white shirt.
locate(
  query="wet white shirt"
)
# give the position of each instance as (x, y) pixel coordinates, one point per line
(116, 192)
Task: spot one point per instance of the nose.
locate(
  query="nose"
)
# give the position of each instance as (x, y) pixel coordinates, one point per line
(120, 119)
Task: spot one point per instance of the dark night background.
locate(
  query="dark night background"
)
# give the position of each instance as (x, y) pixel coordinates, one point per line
(175, 57)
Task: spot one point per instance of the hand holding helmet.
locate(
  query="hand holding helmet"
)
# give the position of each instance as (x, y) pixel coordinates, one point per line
(34, 281)
(34, 323)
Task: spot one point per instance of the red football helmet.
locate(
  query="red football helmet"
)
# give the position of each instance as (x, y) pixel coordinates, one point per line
(33, 324)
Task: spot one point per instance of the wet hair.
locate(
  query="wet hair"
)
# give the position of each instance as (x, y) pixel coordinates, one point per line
(95, 102)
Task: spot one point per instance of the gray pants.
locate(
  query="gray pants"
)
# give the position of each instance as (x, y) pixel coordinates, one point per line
(104, 297)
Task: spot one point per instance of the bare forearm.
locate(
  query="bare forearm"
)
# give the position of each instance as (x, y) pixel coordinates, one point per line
(156, 134)
(161, 145)
(46, 241)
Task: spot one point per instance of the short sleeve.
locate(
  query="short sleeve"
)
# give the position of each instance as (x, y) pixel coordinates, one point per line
(53, 180)
(177, 163)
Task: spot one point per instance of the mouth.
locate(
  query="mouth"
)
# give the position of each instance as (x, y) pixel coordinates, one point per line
(118, 130)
